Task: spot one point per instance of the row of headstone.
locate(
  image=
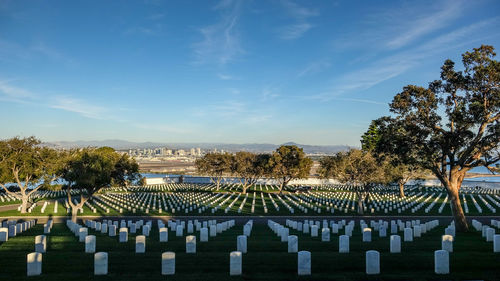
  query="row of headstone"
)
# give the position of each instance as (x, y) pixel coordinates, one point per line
(12, 228)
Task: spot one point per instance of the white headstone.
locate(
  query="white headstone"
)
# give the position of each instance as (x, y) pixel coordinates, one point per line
(179, 231)
(441, 262)
(304, 263)
(325, 235)
(34, 264)
(447, 243)
(83, 232)
(204, 234)
(101, 263)
(190, 244)
(90, 241)
(168, 263)
(293, 244)
(490, 232)
(163, 234)
(395, 246)
(344, 244)
(112, 230)
(408, 234)
(241, 244)
(140, 244)
(367, 235)
(372, 262)
(314, 230)
(496, 243)
(123, 234)
(40, 243)
(235, 262)
(4, 234)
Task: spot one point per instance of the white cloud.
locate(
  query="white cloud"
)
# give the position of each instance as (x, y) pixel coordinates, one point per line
(300, 15)
(394, 65)
(15, 93)
(315, 67)
(294, 31)
(409, 28)
(225, 76)
(221, 42)
(79, 106)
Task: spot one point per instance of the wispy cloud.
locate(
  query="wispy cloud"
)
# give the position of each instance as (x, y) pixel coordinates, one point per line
(391, 66)
(314, 67)
(269, 93)
(14, 92)
(225, 76)
(221, 41)
(410, 28)
(13, 51)
(301, 16)
(79, 106)
(150, 30)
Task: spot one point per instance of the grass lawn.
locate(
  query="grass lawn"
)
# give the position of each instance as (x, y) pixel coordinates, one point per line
(259, 209)
(267, 257)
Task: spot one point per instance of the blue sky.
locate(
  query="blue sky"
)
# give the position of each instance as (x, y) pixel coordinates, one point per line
(313, 72)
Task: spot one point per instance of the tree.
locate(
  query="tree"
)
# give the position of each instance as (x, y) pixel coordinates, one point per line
(24, 162)
(376, 140)
(356, 167)
(249, 167)
(91, 169)
(215, 165)
(289, 162)
(452, 125)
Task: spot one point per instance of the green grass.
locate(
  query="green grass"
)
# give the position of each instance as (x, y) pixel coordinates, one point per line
(259, 211)
(267, 257)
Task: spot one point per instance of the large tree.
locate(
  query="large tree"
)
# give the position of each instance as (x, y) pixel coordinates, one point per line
(452, 125)
(91, 169)
(289, 162)
(24, 162)
(376, 140)
(355, 167)
(215, 165)
(249, 167)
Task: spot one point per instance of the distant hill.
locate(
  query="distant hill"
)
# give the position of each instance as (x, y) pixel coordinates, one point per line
(252, 147)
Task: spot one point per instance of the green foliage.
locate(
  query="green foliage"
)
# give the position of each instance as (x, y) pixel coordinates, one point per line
(25, 162)
(92, 169)
(355, 167)
(452, 123)
(371, 137)
(289, 162)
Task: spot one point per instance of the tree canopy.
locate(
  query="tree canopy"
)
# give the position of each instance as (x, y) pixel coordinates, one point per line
(91, 169)
(289, 162)
(452, 125)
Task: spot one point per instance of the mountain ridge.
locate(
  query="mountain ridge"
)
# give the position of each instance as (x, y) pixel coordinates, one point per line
(231, 147)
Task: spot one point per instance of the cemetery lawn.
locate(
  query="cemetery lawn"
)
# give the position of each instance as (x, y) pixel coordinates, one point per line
(258, 210)
(267, 257)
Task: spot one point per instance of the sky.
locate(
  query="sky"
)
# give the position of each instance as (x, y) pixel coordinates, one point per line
(311, 72)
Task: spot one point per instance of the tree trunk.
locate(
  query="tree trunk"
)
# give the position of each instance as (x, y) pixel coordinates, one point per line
(74, 214)
(456, 207)
(24, 204)
(281, 187)
(244, 189)
(401, 190)
(360, 203)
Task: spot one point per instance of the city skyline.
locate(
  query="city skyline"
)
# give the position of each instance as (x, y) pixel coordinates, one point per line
(313, 72)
